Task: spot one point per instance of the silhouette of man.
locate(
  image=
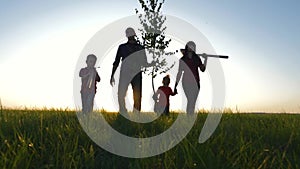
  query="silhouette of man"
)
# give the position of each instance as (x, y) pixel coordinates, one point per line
(133, 59)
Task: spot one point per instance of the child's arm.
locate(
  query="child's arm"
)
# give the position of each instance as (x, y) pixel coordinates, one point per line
(173, 93)
(97, 79)
(155, 96)
(84, 73)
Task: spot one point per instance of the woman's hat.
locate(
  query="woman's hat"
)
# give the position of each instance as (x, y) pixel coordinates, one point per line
(191, 45)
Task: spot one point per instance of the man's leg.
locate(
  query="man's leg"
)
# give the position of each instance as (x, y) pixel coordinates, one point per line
(136, 84)
(124, 82)
(122, 90)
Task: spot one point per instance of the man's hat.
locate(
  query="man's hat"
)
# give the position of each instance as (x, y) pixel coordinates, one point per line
(130, 32)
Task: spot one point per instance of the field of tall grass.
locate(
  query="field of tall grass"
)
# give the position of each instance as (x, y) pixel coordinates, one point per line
(53, 138)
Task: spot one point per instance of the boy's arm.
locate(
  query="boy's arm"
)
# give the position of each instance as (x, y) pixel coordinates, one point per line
(84, 73)
(97, 77)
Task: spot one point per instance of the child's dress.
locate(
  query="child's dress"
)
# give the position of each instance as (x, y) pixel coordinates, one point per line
(162, 103)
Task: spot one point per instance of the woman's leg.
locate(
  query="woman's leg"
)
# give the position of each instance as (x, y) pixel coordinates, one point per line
(191, 92)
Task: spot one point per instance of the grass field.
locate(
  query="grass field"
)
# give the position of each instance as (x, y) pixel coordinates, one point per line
(55, 139)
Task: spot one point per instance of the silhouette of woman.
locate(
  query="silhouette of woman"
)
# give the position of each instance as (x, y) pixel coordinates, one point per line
(188, 66)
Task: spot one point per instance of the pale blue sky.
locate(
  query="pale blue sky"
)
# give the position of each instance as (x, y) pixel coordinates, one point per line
(262, 39)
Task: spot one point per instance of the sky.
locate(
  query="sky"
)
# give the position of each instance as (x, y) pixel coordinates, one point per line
(41, 41)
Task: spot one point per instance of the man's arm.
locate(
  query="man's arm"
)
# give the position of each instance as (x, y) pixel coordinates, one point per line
(115, 66)
(114, 70)
(145, 61)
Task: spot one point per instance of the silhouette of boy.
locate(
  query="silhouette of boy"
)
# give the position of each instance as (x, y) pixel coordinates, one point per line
(162, 97)
(89, 78)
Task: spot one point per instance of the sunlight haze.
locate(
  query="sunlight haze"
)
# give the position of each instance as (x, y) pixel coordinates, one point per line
(41, 42)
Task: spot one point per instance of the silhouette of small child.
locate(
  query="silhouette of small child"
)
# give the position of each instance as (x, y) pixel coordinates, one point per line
(89, 78)
(162, 97)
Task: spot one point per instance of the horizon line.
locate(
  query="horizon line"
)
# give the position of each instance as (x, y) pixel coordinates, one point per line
(198, 111)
